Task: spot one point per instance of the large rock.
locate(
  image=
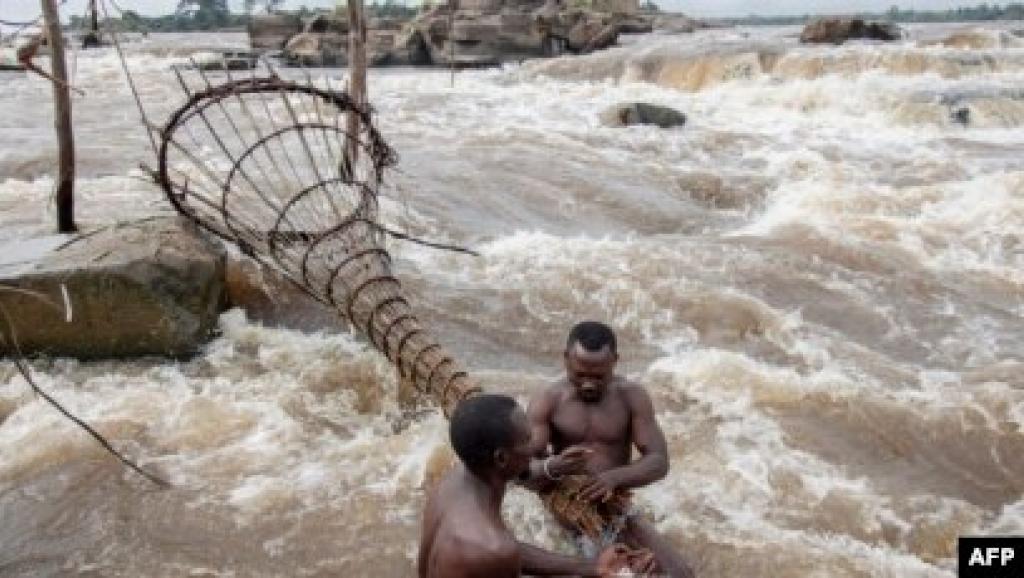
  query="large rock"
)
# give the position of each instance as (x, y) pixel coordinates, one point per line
(839, 30)
(634, 113)
(520, 30)
(606, 36)
(143, 288)
(477, 38)
(480, 33)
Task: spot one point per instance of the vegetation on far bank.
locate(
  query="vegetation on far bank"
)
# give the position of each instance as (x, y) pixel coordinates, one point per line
(215, 15)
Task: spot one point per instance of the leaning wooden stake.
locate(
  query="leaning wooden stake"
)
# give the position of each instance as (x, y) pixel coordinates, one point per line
(62, 116)
(356, 70)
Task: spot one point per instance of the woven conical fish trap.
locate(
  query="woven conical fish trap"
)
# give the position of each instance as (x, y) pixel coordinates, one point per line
(271, 166)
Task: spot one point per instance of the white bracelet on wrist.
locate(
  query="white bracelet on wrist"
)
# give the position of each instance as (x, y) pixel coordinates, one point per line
(547, 472)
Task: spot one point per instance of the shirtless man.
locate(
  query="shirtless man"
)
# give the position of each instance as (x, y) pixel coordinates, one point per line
(463, 535)
(592, 419)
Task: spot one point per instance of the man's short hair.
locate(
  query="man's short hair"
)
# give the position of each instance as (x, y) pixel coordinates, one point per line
(592, 335)
(480, 425)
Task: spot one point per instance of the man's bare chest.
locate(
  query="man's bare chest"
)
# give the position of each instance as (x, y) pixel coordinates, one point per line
(579, 423)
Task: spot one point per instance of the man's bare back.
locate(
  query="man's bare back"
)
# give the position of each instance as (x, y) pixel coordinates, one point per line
(463, 537)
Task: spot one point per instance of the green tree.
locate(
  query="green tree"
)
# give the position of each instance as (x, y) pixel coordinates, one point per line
(212, 14)
(132, 21)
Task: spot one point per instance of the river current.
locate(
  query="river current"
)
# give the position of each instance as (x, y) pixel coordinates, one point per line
(819, 278)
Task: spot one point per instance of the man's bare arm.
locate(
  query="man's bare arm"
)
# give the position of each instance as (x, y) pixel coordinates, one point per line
(649, 441)
(539, 415)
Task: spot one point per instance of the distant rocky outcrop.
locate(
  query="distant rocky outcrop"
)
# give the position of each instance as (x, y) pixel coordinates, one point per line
(839, 30)
(480, 32)
(634, 113)
(147, 288)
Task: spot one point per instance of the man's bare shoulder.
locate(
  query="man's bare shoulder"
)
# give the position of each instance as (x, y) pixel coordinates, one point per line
(634, 393)
(549, 396)
(629, 386)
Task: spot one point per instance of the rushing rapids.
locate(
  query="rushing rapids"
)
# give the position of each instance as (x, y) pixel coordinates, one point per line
(820, 278)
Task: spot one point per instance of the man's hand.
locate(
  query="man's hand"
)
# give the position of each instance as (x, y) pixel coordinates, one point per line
(572, 460)
(618, 560)
(600, 486)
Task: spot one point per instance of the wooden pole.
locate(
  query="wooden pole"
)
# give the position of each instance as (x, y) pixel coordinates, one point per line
(62, 119)
(356, 70)
(453, 5)
(92, 37)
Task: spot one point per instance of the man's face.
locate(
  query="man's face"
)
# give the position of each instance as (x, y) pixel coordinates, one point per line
(514, 461)
(590, 372)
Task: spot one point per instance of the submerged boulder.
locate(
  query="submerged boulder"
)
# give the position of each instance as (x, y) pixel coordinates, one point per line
(147, 288)
(839, 30)
(629, 114)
